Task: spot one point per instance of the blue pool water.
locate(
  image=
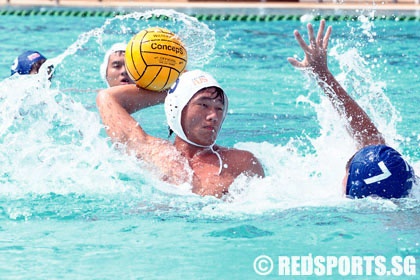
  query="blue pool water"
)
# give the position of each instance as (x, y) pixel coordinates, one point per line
(72, 207)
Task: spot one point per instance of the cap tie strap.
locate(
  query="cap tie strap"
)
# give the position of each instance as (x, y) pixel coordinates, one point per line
(220, 159)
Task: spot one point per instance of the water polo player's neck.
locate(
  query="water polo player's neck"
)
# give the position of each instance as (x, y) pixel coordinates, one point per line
(189, 150)
(193, 152)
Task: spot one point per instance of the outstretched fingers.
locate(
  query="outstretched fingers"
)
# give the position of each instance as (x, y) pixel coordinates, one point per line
(320, 35)
(294, 62)
(321, 38)
(312, 41)
(301, 42)
(327, 37)
(316, 49)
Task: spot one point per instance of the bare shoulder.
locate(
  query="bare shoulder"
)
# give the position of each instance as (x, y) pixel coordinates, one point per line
(241, 161)
(167, 161)
(154, 149)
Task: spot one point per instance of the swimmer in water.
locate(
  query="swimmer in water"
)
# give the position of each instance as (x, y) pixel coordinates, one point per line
(27, 63)
(195, 108)
(112, 69)
(375, 169)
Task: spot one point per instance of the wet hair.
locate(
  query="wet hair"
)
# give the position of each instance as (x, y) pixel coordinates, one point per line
(218, 92)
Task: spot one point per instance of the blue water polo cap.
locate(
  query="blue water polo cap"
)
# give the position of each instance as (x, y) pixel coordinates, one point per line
(23, 63)
(379, 170)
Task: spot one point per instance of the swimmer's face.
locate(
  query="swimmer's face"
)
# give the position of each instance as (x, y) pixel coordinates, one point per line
(116, 74)
(35, 67)
(203, 116)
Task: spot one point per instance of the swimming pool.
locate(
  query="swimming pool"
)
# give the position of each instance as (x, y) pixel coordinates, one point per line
(72, 207)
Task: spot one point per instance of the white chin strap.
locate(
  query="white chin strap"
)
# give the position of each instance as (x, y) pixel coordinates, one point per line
(219, 157)
(211, 147)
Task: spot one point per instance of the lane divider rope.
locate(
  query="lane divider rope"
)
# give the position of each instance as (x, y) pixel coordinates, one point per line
(202, 17)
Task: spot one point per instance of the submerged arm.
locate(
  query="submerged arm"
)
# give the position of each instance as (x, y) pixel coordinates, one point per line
(359, 125)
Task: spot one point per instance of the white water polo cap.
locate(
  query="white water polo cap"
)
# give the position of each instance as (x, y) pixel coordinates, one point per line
(187, 85)
(118, 47)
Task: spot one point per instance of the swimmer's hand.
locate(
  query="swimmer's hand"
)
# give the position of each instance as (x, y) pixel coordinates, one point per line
(316, 52)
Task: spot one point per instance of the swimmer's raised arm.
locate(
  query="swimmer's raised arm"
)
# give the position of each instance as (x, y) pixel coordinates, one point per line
(116, 104)
(359, 125)
(133, 98)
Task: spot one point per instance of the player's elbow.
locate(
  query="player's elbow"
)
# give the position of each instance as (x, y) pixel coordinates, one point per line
(101, 98)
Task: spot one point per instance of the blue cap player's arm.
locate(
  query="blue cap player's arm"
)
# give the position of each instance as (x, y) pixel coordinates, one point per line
(359, 125)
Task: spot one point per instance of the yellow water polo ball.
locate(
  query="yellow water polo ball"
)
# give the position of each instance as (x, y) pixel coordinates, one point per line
(154, 58)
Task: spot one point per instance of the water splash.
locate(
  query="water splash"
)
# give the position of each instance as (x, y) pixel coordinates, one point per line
(52, 143)
(51, 136)
(308, 171)
(197, 37)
